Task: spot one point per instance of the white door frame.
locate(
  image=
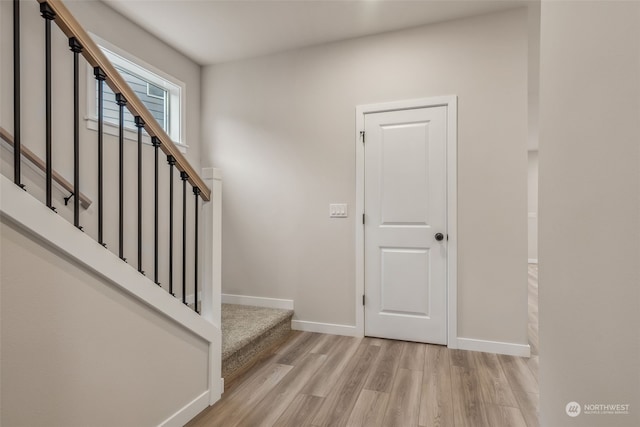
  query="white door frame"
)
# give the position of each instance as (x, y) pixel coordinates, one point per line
(451, 102)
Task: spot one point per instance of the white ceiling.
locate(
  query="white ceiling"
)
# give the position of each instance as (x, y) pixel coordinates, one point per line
(213, 31)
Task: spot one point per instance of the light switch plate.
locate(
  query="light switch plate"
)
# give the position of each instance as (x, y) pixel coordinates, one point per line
(338, 210)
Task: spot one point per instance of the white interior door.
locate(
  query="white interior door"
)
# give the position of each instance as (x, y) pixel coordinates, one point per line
(405, 216)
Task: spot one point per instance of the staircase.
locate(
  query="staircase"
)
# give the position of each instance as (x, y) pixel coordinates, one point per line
(248, 333)
(109, 282)
(101, 252)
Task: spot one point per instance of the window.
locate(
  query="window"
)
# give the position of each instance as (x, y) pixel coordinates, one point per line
(160, 93)
(156, 100)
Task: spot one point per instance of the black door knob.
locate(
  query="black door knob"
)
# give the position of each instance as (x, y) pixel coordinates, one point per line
(439, 237)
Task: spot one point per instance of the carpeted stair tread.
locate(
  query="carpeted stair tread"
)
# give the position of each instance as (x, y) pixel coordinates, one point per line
(243, 326)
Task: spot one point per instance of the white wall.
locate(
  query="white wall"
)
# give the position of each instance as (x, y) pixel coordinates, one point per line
(533, 109)
(532, 206)
(590, 210)
(534, 73)
(282, 130)
(101, 20)
(76, 351)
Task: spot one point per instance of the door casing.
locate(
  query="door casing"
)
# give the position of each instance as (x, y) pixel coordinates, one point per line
(451, 102)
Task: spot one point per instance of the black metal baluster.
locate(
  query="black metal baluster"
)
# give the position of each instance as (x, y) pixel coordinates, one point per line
(48, 16)
(139, 125)
(121, 101)
(196, 192)
(76, 48)
(100, 77)
(17, 148)
(184, 177)
(156, 144)
(172, 161)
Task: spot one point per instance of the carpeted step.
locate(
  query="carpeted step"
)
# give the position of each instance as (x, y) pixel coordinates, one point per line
(248, 332)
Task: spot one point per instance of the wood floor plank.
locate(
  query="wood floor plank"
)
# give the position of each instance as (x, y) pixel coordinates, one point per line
(382, 375)
(326, 343)
(234, 403)
(494, 386)
(518, 374)
(465, 390)
(466, 401)
(246, 380)
(529, 404)
(275, 403)
(534, 365)
(292, 341)
(327, 376)
(412, 357)
(436, 402)
(403, 409)
(459, 358)
(300, 412)
(533, 309)
(377, 341)
(369, 409)
(503, 416)
(338, 405)
(304, 344)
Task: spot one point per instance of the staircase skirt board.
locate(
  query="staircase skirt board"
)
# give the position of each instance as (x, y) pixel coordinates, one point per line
(248, 333)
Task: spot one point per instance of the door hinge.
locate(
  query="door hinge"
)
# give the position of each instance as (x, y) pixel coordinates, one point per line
(363, 219)
(362, 299)
(362, 136)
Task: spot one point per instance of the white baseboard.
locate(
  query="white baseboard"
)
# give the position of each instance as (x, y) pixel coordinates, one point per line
(510, 349)
(324, 328)
(286, 304)
(533, 260)
(186, 413)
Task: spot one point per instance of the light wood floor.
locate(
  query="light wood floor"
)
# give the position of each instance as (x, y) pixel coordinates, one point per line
(328, 380)
(533, 310)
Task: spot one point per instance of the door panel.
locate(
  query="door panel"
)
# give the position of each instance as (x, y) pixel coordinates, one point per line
(405, 206)
(403, 272)
(404, 179)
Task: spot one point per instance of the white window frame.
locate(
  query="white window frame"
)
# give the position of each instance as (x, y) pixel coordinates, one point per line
(176, 90)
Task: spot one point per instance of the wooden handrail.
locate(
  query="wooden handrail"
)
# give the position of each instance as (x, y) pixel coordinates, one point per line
(92, 53)
(39, 163)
